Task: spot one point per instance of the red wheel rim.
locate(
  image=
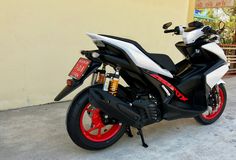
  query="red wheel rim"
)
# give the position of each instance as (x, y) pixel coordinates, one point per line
(216, 113)
(95, 130)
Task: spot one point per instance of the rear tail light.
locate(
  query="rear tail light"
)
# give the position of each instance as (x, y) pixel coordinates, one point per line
(95, 55)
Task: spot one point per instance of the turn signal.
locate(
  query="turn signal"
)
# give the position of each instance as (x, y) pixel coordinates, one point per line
(69, 82)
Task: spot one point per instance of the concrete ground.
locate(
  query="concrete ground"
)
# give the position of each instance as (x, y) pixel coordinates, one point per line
(39, 133)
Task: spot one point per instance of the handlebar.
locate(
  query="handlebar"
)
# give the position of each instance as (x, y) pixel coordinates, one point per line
(177, 30)
(209, 30)
(169, 30)
(206, 30)
(205, 33)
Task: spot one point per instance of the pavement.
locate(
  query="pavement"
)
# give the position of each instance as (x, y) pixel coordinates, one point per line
(39, 133)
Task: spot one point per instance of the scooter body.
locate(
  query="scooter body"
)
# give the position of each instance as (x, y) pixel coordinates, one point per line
(157, 88)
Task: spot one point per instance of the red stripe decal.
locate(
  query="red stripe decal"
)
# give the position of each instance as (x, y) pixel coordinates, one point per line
(175, 90)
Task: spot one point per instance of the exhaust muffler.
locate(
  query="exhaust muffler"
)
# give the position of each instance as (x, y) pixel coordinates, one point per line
(114, 107)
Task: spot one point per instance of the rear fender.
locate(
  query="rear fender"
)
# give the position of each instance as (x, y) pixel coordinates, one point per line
(76, 83)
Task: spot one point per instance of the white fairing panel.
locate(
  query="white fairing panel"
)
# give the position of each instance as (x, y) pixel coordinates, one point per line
(191, 37)
(214, 77)
(214, 48)
(221, 82)
(137, 56)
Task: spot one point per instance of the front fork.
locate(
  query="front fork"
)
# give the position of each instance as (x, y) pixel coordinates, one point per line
(217, 98)
(214, 100)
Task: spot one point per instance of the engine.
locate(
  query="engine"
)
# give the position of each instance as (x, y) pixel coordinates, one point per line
(149, 109)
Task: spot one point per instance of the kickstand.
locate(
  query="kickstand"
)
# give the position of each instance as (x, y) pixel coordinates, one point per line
(140, 132)
(129, 132)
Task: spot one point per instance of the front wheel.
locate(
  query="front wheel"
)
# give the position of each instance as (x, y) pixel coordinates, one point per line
(86, 127)
(215, 111)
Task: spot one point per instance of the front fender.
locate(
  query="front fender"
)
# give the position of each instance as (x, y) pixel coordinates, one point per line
(76, 83)
(221, 82)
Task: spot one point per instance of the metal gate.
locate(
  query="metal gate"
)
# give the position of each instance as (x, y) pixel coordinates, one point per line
(230, 51)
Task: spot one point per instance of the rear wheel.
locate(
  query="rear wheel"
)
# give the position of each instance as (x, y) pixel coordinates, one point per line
(86, 126)
(214, 112)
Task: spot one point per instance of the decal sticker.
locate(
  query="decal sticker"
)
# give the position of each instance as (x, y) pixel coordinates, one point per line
(175, 90)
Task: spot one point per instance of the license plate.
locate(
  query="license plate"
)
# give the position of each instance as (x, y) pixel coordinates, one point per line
(80, 68)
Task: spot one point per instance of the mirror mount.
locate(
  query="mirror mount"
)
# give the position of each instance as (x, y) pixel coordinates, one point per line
(221, 25)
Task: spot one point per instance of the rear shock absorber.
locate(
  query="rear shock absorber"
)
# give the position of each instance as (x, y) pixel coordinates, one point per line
(107, 82)
(114, 83)
(94, 77)
(98, 76)
(101, 76)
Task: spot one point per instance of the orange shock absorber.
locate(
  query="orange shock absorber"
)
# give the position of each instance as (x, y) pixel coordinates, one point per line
(107, 82)
(94, 78)
(102, 76)
(113, 87)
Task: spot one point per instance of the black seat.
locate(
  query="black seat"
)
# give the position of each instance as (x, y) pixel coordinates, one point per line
(163, 60)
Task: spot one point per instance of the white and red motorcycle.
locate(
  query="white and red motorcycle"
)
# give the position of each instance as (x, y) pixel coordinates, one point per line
(157, 88)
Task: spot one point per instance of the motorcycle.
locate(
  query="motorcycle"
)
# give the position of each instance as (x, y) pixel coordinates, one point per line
(156, 88)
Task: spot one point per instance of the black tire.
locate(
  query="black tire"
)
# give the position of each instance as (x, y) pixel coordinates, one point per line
(205, 121)
(74, 129)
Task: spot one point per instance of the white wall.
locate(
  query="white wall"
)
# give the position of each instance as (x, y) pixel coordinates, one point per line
(40, 40)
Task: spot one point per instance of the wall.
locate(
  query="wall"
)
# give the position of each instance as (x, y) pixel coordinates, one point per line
(41, 40)
(191, 8)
